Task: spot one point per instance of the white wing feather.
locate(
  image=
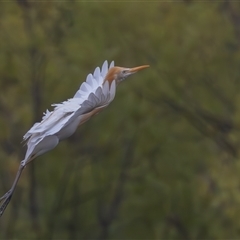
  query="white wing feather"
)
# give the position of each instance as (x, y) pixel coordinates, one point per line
(66, 116)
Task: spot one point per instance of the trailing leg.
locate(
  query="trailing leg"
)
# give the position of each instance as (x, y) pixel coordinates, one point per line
(5, 199)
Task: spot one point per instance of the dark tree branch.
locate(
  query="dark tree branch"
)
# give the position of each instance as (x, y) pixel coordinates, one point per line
(106, 216)
(37, 66)
(208, 124)
(174, 221)
(230, 8)
(205, 126)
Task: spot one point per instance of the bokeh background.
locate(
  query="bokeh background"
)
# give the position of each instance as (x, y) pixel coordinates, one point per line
(162, 161)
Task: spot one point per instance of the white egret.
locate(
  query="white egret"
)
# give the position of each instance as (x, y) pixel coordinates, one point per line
(92, 97)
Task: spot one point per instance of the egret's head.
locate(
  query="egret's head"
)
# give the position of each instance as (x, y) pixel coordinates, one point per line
(120, 73)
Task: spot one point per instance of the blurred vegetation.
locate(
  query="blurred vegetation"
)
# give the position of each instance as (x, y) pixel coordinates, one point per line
(162, 161)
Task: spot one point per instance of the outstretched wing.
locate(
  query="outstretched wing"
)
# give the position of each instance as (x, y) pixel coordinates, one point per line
(64, 119)
(75, 106)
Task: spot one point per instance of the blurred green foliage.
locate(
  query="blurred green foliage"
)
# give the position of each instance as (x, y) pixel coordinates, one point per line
(162, 161)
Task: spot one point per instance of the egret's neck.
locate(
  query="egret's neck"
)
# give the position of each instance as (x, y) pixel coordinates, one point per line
(112, 75)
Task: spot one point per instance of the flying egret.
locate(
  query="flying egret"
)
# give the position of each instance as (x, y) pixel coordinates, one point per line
(92, 97)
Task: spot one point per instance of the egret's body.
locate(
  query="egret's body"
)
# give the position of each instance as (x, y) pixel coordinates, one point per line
(92, 97)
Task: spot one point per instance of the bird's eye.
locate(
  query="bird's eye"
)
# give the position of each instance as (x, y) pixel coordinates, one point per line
(124, 71)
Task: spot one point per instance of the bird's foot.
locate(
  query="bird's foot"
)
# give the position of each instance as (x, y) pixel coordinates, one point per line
(4, 200)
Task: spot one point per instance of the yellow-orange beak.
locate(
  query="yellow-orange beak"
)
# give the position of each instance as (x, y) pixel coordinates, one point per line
(136, 69)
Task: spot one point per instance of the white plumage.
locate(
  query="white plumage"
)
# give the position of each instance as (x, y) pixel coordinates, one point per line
(63, 121)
